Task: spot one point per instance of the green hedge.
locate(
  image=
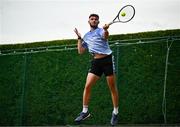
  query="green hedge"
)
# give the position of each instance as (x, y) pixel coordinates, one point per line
(46, 88)
(111, 38)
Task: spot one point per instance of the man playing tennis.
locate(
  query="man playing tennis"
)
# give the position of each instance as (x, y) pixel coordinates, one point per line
(96, 42)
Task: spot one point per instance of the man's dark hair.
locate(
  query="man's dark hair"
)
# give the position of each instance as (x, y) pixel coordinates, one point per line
(94, 15)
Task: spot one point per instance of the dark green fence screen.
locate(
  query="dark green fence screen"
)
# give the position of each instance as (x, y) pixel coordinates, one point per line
(44, 86)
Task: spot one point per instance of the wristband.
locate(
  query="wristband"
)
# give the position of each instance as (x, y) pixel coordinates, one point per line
(79, 38)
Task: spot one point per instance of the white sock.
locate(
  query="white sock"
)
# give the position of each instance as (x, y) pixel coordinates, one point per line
(85, 108)
(115, 111)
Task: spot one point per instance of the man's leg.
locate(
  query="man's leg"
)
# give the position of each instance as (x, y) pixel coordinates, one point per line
(90, 81)
(113, 88)
(114, 94)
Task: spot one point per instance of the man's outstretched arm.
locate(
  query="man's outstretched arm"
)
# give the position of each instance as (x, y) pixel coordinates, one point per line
(106, 33)
(80, 48)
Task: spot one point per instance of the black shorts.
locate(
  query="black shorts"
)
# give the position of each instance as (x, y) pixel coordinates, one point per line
(103, 65)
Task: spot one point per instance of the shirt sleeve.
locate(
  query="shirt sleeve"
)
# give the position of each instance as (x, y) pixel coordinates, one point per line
(101, 32)
(84, 44)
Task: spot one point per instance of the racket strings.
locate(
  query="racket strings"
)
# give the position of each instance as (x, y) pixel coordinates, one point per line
(126, 14)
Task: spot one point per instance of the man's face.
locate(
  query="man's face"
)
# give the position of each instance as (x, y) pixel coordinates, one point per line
(93, 21)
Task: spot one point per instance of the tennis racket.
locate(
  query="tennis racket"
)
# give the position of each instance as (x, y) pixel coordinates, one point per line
(124, 15)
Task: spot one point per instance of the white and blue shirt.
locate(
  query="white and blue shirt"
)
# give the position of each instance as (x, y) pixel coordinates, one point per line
(95, 43)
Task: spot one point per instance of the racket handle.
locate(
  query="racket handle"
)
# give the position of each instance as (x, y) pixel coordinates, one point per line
(110, 23)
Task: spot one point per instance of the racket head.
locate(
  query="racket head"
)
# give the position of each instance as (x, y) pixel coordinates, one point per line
(124, 15)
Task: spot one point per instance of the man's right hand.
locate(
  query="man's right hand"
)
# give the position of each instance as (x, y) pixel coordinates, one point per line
(77, 33)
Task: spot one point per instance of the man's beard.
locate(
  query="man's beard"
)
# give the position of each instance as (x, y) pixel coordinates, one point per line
(93, 26)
